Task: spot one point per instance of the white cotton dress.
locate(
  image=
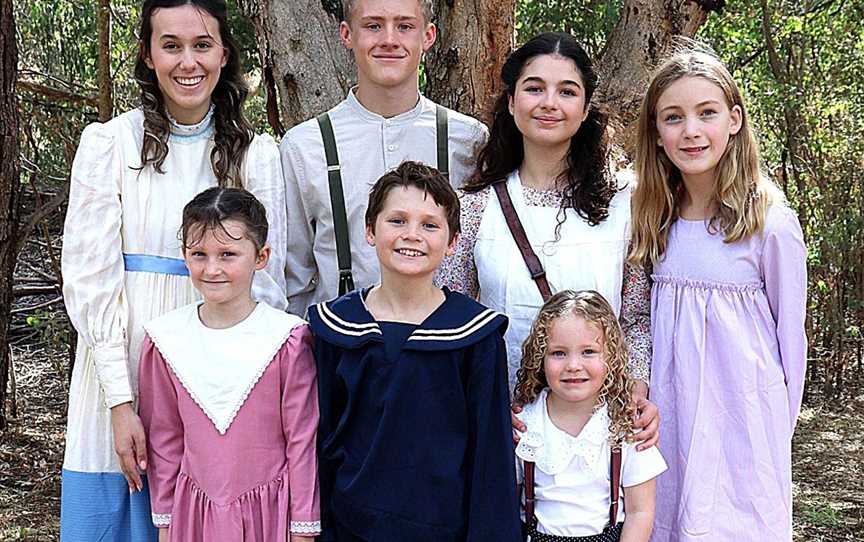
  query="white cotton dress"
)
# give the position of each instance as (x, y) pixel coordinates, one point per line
(122, 266)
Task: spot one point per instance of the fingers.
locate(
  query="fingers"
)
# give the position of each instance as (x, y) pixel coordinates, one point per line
(140, 444)
(648, 420)
(517, 423)
(126, 455)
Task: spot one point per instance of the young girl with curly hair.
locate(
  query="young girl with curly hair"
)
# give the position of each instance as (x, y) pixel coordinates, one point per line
(577, 456)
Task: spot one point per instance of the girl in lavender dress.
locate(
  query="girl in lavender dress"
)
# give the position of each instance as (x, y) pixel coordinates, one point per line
(727, 311)
(228, 396)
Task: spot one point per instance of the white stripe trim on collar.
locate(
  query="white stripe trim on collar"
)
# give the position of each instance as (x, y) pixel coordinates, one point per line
(454, 334)
(341, 326)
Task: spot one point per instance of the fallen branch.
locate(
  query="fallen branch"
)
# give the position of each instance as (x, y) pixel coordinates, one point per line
(55, 301)
(55, 94)
(26, 291)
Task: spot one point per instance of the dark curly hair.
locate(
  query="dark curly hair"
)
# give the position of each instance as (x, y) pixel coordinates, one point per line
(587, 186)
(232, 134)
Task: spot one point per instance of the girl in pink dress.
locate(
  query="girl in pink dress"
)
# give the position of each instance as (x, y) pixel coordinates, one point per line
(228, 393)
(727, 310)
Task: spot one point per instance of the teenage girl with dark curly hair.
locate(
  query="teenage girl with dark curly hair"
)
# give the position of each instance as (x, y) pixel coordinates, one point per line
(122, 260)
(548, 147)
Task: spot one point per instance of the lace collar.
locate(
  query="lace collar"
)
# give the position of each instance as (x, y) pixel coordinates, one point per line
(553, 449)
(204, 127)
(220, 367)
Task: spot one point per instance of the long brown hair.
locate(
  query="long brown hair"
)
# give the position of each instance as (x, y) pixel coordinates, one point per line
(232, 132)
(617, 390)
(743, 193)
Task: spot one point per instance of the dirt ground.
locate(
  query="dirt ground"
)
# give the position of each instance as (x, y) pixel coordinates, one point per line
(828, 458)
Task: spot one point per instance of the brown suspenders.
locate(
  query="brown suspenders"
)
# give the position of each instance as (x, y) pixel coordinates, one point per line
(614, 489)
(337, 195)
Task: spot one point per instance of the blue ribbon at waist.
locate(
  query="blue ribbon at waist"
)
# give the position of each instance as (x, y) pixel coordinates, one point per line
(145, 263)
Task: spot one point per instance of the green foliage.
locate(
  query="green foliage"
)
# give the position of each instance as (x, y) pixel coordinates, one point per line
(589, 20)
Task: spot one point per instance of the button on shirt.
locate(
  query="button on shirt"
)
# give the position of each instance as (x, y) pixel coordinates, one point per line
(368, 145)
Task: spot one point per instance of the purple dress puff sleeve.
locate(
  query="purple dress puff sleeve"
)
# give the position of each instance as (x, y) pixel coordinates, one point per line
(784, 268)
(164, 429)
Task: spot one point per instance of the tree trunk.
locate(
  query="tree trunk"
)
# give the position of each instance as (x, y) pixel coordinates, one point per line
(298, 41)
(103, 23)
(643, 36)
(9, 187)
(463, 69)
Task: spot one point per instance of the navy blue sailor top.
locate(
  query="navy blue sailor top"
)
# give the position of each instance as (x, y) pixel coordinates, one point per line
(417, 446)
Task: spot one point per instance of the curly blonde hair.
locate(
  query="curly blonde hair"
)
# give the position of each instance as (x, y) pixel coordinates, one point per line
(617, 390)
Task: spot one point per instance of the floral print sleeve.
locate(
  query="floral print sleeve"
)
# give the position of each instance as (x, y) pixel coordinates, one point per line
(458, 271)
(636, 320)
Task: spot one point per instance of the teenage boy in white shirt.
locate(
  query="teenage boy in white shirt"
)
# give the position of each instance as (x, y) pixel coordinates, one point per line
(383, 121)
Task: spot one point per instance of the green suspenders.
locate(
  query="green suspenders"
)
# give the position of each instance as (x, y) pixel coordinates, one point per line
(337, 196)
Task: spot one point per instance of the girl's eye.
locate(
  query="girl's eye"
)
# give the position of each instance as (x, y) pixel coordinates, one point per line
(708, 112)
(589, 352)
(557, 354)
(227, 254)
(569, 92)
(203, 45)
(406, 27)
(672, 117)
(169, 45)
(533, 89)
(397, 221)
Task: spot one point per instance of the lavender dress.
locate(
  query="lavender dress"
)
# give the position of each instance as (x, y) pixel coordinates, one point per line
(727, 375)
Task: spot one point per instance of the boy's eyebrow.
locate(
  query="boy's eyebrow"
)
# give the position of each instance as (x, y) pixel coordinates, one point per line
(382, 18)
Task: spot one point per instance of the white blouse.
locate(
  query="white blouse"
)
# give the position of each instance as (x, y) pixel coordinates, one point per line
(122, 260)
(571, 476)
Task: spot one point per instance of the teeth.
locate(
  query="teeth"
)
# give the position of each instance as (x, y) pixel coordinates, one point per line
(189, 80)
(409, 252)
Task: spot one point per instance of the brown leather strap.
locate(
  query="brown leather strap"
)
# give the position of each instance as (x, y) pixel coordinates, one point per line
(528, 484)
(614, 489)
(518, 233)
(615, 485)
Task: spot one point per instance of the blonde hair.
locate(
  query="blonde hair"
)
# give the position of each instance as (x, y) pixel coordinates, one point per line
(425, 7)
(617, 390)
(743, 193)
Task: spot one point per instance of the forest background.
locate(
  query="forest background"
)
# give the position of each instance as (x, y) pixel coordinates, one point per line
(800, 65)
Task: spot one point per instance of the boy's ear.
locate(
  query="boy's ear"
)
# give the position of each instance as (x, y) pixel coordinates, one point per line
(262, 258)
(345, 34)
(370, 235)
(429, 36)
(451, 246)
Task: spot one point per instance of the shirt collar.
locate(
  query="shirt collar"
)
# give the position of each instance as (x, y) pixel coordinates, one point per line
(458, 322)
(553, 449)
(402, 118)
(192, 130)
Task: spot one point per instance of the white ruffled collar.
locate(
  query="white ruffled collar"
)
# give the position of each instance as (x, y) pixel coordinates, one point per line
(220, 367)
(552, 449)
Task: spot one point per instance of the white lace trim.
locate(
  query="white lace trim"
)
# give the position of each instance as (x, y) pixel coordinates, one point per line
(161, 520)
(553, 449)
(305, 527)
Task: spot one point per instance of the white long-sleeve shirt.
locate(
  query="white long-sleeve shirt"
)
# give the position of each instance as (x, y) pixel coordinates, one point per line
(368, 145)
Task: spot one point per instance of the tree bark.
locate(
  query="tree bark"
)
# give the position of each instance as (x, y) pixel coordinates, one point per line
(9, 187)
(643, 36)
(298, 40)
(463, 70)
(103, 75)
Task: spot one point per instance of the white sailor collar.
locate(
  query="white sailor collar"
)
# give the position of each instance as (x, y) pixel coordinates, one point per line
(458, 322)
(552, 449)
(220, 367)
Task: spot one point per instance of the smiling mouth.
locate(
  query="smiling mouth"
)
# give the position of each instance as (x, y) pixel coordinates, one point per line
(189, 81)
(574, 380)
(694, 150)
(410, 252)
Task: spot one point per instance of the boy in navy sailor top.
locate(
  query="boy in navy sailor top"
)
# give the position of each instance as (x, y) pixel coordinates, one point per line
(414, 438)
